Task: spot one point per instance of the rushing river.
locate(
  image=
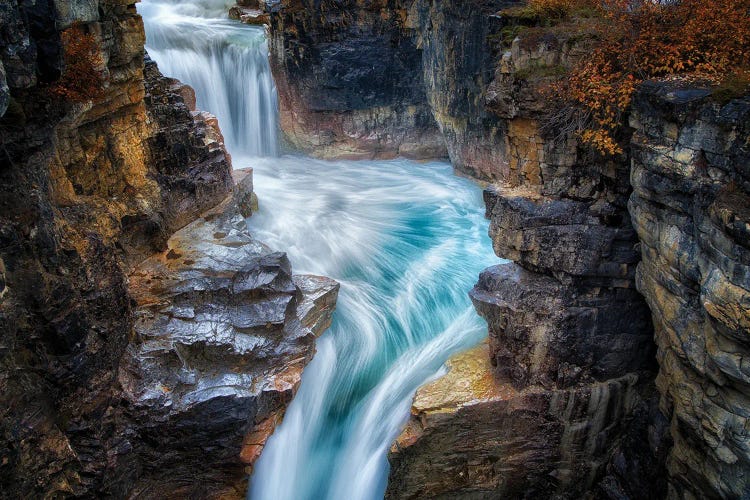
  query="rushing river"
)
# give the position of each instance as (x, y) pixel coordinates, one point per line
(406, 241)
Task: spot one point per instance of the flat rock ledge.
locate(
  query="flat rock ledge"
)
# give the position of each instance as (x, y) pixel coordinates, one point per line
(223, 332)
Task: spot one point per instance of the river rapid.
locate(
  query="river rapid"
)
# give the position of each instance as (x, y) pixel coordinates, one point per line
(406, 240)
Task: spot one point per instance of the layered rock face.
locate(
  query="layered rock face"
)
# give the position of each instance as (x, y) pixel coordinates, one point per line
(87, 191)
(690, 206)
(223, 332)
(474, 436)
(350, 80)
(459, 42)
(569, 385)
(570, 337)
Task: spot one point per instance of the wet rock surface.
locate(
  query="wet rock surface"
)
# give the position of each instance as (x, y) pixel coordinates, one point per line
(565, 319)
(485, 439)
(87, 191)
(690, 207)
(543, 332)
(350, 80)
(223, 330)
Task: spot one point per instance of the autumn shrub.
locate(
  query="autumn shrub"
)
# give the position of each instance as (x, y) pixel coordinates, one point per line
(644, 39)
(82, 77)
(561, 9)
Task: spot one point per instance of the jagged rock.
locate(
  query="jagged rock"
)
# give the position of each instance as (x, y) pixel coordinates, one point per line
(87, 190)
(223, 333)
(350, 89)
(561, 237)
(691, 209)
(246, 199)
(248, 15)
(543, 332)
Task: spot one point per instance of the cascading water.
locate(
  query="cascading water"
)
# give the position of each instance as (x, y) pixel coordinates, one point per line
(224, 61)
(405, 240)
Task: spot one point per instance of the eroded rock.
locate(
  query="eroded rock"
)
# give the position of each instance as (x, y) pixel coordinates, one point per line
(473, 436)
(691, 209)
(223, 333)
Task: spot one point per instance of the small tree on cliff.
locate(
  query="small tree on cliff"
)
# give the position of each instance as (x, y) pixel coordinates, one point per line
(82, 77)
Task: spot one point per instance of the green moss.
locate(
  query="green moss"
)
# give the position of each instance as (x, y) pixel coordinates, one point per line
(733, 86)
(537, 71)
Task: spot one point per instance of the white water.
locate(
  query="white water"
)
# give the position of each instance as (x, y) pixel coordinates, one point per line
(224, 61)
(405, 240)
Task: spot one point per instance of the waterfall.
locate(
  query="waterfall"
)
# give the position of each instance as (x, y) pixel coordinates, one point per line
(224, 61)
(406, 240)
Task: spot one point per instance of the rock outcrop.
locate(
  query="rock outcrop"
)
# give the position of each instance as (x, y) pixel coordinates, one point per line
(350, 80)
(691, 209)
(486, 439)
(223, 330)
(570, 338)
(88, 190)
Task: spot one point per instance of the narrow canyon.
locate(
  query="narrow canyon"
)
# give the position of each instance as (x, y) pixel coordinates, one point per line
(357, 249)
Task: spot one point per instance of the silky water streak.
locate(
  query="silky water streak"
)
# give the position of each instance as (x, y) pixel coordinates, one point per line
(406, 240)
(226, 62)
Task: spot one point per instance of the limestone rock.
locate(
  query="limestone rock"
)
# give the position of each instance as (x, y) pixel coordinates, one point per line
(543, 332)
(87, 191)
(223, 333)
(473, 436)
(350, 89)
(691, 209)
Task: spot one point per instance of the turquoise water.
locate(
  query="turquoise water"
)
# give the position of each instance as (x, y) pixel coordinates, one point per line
(406, 240)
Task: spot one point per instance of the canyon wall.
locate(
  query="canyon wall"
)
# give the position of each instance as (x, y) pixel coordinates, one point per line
(691, 209)
(130, 291)
(350, 80)
(564, 399)
(569, 382)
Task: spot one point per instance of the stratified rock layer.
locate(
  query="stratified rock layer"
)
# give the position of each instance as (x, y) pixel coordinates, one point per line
(223, 331)
(566, 323)
(350, 83)
(691, 208)
(486, 439)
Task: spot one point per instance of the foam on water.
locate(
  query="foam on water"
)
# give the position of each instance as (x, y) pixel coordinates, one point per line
(224, 61)
(406, 241)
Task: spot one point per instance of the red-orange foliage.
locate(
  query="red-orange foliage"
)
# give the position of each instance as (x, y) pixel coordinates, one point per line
(82, 78)
(644, 39)
(561, 8)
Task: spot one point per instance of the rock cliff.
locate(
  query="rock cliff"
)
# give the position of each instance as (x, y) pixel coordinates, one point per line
(690, 207)
(570, 338)
(144, 348)
(569, 402)
(350, 82)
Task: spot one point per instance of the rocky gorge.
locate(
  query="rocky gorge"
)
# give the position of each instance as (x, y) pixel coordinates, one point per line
(613, 366)
(150, 343)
